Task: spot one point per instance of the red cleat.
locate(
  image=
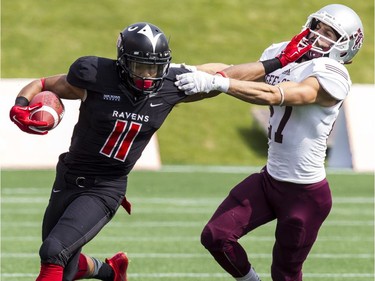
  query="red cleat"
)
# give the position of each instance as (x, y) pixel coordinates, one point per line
(119, 264)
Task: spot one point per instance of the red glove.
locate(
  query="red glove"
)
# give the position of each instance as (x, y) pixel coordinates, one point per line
(126, 205)
(20, 115)
(294, 50)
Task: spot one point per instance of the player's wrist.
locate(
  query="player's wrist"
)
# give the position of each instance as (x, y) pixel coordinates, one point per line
(220, 83)
(21, 101)
(272, 64)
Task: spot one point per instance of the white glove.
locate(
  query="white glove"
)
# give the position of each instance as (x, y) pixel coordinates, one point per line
(199, 81)
(192, 68)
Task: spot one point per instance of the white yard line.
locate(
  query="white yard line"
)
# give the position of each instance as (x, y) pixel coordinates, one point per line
(210, 275)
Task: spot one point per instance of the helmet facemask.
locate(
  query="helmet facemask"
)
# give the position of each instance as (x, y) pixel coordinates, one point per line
(335, 47)
(144, 76)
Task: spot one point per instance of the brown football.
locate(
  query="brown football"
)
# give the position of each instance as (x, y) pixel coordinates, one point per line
(51, 112)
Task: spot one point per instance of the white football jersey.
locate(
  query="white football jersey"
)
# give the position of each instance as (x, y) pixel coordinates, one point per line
(297, 135)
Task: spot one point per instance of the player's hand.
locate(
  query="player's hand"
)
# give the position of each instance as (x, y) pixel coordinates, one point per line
(20, 115)
(294, 50)
(201, 82)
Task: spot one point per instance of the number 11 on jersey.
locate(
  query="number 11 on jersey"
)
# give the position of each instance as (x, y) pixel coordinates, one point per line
(121, 138)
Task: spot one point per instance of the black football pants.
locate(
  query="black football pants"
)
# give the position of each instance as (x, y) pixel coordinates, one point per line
(77, 211)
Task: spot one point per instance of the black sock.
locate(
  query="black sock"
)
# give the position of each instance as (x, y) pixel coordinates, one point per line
(105, 273)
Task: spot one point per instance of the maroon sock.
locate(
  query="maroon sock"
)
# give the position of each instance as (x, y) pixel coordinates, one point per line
(50, 272)
(82, 267)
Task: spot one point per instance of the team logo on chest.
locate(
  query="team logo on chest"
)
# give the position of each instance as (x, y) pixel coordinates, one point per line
(110, 97)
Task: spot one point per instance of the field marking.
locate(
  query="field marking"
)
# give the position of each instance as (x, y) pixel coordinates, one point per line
(237, 169)
(196, 255)
(210, 275)
(210, 169)
(180, 224)
(175, 201)
(203, 210)
(167, 239)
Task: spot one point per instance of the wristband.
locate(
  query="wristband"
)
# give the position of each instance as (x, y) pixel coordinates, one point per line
(22, 101)
(271, 65)
(222, 73)
(43, 82)
(281, 95)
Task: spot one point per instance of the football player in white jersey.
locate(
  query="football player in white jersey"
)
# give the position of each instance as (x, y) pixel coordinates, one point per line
(304, 98)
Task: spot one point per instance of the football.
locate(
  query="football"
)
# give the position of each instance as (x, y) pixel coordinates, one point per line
(51, 112)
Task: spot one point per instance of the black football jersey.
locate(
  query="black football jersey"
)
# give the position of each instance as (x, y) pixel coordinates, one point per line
(114, 125)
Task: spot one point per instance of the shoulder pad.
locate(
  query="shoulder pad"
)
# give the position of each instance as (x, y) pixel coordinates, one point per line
(332, 76)
(273, 50)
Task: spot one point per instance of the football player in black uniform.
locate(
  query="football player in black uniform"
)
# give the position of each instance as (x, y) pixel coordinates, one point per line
(123, 103)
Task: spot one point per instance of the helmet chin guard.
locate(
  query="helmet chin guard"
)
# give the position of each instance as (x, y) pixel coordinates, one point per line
(144, 84)
(143, 46)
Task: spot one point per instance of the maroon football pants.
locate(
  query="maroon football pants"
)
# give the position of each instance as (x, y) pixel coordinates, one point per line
(299, 209)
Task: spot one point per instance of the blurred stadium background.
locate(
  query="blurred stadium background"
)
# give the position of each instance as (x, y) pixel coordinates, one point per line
(41, 38)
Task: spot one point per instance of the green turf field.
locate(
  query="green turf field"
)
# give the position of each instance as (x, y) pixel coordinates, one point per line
(170, 207)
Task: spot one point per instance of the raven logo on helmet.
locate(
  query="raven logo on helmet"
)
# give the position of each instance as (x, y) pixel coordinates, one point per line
(148, 33)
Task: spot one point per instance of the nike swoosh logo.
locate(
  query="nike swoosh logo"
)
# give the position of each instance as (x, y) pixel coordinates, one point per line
(56, 190)
(155, 104)
(16, 120)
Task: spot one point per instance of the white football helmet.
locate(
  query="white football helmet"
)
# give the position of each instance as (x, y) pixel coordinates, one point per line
(349, 29)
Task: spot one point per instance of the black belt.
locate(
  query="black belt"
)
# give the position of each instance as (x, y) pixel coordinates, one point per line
(79, 181)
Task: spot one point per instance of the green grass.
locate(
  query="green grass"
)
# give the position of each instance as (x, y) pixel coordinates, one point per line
(41, 38)
(169, 210)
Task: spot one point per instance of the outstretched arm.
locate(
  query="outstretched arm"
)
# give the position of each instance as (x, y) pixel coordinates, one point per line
(212, 68)
(255, 71)
(309, 91)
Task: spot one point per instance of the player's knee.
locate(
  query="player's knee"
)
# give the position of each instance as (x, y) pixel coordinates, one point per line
(291, 233)
(206, 237)
(210, 239)
(51, 251)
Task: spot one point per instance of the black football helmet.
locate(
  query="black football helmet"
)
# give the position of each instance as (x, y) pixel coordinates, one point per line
(143, 57)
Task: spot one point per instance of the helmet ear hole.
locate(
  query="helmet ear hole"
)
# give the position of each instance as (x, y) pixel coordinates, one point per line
(314, 24)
